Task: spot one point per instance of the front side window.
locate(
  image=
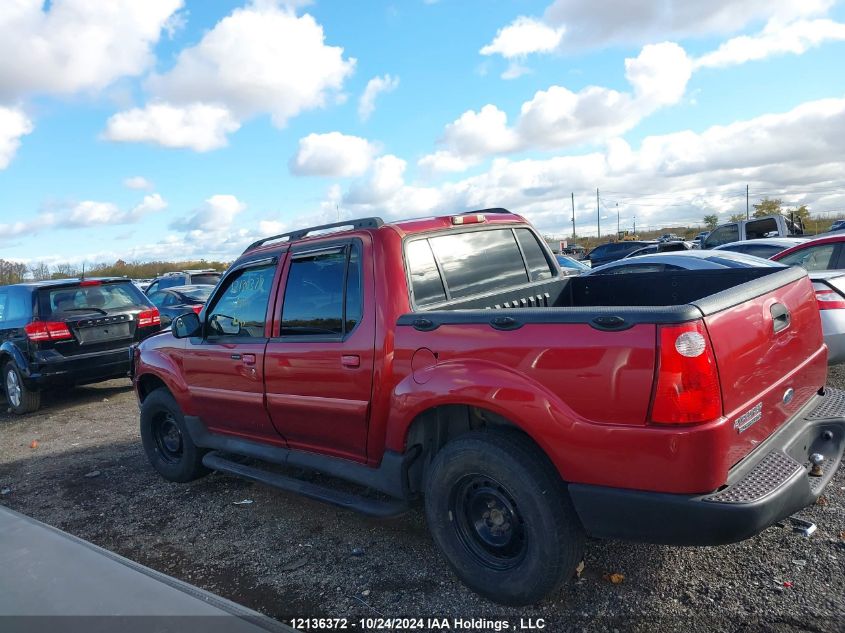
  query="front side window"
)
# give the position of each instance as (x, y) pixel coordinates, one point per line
(323, 293)
(812, 258)
(241, 309)
(722, 235)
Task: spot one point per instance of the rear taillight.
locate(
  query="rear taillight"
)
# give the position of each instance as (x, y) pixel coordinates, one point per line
(149, 318)
(47, 331)
(829, 300)
(687, 390)
(197, 308)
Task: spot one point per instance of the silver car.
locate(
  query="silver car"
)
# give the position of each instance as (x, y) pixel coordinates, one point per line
(683, 260)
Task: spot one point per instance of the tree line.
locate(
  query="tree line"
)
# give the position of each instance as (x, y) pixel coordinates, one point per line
(15, 272)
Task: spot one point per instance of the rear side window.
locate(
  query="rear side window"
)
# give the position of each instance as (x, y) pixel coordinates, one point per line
(91, 298)
(757, 229)
(479, 261)
(241, 309)
(812, 258)
(323, 293)
(210, 279)
(535, 260)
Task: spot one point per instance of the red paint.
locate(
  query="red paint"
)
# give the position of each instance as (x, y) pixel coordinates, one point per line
(584, 395)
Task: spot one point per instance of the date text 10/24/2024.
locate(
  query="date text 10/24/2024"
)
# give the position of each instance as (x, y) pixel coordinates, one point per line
(417, 624)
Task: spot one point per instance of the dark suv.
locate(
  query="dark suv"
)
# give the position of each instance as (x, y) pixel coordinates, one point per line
(184, 278)
(612, 251)
(67, 332)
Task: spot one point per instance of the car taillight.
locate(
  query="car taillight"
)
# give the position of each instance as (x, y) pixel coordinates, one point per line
(829, 300)
(197, 308)
(687, 389)
(47, 331)
(148, 318)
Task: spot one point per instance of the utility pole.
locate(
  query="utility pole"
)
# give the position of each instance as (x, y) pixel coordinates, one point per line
(617, 219)
(598, 215)
(635, 225)
(746, 202)
(573, 215)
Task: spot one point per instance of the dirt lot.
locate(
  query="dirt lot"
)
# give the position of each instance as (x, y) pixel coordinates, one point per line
(290, 557)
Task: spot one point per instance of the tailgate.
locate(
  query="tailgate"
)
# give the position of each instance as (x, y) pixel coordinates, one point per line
(767, 339)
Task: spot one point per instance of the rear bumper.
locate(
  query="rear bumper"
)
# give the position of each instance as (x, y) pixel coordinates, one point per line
(57, 370)
(770, 484)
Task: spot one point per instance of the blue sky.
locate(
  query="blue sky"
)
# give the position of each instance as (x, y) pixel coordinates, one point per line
(176, 128)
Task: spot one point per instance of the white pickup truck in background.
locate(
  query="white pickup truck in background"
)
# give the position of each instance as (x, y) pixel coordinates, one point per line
(753, 229)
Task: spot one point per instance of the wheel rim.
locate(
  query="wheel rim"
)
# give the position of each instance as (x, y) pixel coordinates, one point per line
(168, 437)
(488, 522)
(13, 388)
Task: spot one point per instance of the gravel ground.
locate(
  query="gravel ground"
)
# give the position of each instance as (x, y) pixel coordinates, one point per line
(290, 557)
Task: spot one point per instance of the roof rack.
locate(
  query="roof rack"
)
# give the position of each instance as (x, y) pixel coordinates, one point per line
(362, 223)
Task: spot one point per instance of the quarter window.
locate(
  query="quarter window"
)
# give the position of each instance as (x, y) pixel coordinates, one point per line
(535, 260)
(241, 309)
(425, 278)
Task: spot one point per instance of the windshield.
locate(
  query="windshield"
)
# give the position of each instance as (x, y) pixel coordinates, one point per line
(96, 297)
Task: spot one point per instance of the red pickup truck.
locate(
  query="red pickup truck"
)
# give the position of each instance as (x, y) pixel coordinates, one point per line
(448, 358)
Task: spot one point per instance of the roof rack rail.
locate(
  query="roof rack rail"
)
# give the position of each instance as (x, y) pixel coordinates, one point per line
(361, 223)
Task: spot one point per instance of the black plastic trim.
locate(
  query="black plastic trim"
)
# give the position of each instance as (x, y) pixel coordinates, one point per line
(633, 315)
(390, 477)
(749, 290)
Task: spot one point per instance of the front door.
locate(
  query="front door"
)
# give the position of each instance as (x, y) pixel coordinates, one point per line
(319, 368)
(225, 367)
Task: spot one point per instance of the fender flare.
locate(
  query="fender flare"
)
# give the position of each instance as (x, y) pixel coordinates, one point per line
(532, 408)
(13, 351)
(164, 369)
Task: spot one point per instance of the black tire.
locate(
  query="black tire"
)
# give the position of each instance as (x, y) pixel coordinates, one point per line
(166, 440)
(501, 515)
(21, 399)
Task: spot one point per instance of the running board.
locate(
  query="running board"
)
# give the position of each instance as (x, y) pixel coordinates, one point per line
(370, 507)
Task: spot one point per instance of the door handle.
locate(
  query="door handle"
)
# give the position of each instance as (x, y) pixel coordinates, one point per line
(350, 360)
(249, 359)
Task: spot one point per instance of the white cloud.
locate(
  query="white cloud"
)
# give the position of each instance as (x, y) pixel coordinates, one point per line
(557, 117)
(332, 154)
(13, 125)
(603, 22)
(198, 126)
(260, 59)
(515, 70)
(137, 182)
(217, 214)
(444, 161)
(375, 86)
(77, 45)
(775, 39)
(93, 213)
(524, 36)
(688, 174)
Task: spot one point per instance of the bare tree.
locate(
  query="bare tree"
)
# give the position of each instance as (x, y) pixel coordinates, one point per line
(39, 271)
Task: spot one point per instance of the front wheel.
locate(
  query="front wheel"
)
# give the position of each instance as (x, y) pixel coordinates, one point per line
(166, 440)
(21, 399)
(500, 514)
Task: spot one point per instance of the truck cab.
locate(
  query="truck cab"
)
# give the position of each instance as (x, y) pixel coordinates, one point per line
(753, 229)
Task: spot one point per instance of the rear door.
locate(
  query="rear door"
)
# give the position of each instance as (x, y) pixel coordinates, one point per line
(763, 348)
(224, 368)
(319, 364)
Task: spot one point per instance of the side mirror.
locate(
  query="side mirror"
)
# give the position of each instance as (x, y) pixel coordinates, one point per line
(186, 326)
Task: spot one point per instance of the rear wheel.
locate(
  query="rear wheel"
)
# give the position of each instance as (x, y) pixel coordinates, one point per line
(500, 514)
(21, 399)
(166, 440)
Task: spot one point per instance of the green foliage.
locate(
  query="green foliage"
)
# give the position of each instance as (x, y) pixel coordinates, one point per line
(767, 206)
(736, 217)
(11, 272)
(711, 221)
